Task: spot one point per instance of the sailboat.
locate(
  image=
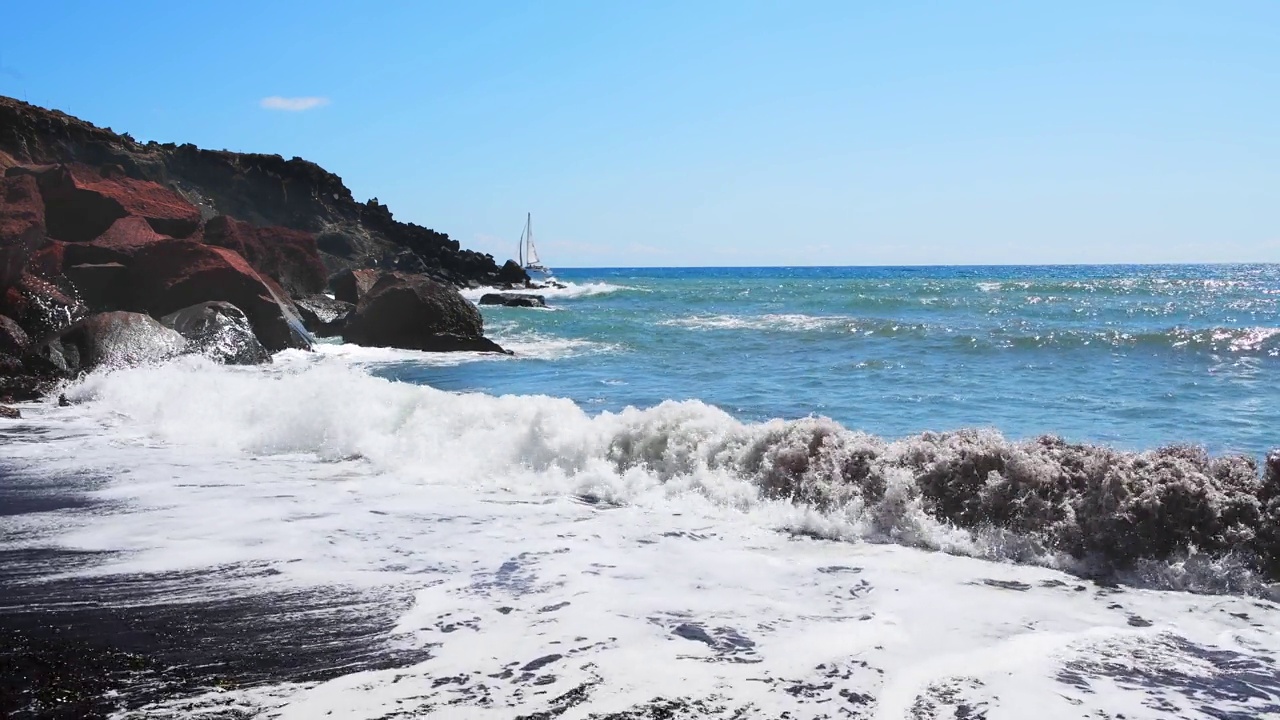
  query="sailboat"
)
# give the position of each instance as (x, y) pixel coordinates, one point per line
(528, 254)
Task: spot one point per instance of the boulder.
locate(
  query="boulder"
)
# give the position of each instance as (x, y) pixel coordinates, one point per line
(220, 331)
(351, 285)
(13, 339)
(512, 274)
(287, 256)
(513, 300)
(168, 276)
(113, 339)
(10, 413)
(323, 315)
(80, 204)
(22, 228)
(417, 313)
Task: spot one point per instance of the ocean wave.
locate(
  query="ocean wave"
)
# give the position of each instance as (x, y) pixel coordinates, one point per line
(1171, 517)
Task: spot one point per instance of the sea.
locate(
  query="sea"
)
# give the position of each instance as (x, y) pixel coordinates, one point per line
(688, 493)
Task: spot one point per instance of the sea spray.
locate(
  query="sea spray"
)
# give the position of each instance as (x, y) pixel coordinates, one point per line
(1085, 508)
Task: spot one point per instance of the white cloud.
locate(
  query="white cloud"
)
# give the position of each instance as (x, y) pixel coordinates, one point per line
(293, 104)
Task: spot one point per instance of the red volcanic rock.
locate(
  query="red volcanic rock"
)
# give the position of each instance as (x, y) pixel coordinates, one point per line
(80, 204)
(168, 276)
(124, 239)
(287, 256)
(22, 227)
(351, 285)
(417, 313)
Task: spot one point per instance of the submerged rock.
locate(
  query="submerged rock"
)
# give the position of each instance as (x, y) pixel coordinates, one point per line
(513, 300)
(220, 331)
(417, 313)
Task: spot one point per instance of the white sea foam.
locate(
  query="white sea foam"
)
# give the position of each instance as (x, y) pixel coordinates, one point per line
(623, 557)
(796, 322)
(571, 290)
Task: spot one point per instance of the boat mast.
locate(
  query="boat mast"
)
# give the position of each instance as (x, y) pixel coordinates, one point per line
(520, 246)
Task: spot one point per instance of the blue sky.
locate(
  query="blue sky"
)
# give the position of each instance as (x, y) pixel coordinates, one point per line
(720, 133)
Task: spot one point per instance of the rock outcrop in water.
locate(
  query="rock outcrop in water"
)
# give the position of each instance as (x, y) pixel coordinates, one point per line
(416, 313)
(94, 222)
(513, 300)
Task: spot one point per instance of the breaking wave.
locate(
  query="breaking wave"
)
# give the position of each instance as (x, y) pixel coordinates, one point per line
(1170, 517)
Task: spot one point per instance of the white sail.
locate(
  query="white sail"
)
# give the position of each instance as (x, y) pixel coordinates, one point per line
(532, 257)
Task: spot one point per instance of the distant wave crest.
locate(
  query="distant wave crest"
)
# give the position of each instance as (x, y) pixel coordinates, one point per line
(1237, 340)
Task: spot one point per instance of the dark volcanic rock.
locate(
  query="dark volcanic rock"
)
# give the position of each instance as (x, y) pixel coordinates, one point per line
(81, 204)
(100, 284)
(417, 313)
(323, 315)
(220, 331)
(513, 300)
(287, 256)
(114, 339)
(169, 276)
(13, 339)
(512, 274)
(22, 227)
(351, 285)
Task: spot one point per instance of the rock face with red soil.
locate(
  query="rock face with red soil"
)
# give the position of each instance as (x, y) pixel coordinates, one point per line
(169, 276)
(80, 204)
(22, 228)
(113, 340)
(264, 190)
(287, 256)
(118, 244)
(417, 313)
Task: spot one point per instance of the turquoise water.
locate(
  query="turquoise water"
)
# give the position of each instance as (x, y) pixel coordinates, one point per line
(1131, 356)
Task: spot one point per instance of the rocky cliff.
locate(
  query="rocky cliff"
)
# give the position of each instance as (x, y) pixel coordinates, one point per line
(263, 190)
